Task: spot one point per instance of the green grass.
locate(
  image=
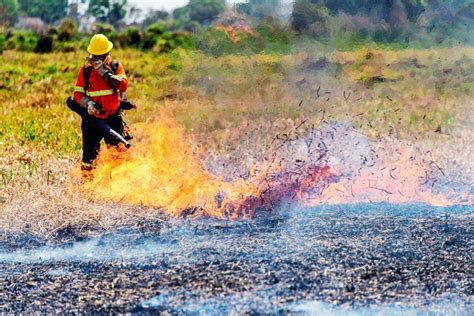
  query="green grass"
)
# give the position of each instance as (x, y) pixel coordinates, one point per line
(401, 92)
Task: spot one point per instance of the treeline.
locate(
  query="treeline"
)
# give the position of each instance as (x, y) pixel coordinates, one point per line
(247, 27)
(385, 20)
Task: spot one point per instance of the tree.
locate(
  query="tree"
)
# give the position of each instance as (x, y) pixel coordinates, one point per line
(259, 9)
(49, 11)
(205, 11)
(108, 11)
(383, 9)
(8, 12)
(181, 14)
(155, 16)
(310, 16)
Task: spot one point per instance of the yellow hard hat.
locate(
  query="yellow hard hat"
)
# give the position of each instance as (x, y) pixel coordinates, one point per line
(99, 45)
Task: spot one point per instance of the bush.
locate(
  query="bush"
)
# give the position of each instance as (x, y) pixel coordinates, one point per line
(133, 36)
(275, 36)
(67, 30)
(44, 44)
(152, 34)
(8, 12)
(103, 28)
(66, 47)
(269, 36)
(352, 31)
(155, 28)
(309, 18)
(170, 41)
(2, 43)
(130, 37)
(21, 40)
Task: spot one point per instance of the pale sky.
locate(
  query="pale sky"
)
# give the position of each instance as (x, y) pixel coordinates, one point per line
(168, 5)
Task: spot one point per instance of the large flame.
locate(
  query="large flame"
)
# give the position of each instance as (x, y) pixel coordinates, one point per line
(163, 171)
(396, 177)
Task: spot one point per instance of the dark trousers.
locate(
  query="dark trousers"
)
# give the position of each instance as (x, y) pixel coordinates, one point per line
(92, 136)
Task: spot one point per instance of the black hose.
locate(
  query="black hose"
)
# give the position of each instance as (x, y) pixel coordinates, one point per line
(74, 106)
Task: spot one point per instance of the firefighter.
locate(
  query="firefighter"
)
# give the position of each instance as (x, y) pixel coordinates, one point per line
(100, 87)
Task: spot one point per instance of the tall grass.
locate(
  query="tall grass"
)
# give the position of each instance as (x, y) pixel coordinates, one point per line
(222, 102)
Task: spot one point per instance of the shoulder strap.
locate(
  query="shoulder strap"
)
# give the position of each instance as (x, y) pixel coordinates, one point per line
(114, 65)
(86, 74)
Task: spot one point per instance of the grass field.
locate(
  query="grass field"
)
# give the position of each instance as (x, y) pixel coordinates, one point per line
(223, 103)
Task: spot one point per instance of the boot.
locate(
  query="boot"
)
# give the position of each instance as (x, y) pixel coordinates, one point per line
(87, 171)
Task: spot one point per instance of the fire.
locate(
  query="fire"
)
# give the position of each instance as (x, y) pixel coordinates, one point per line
(397, 179)
(162, 171)
(236, 34)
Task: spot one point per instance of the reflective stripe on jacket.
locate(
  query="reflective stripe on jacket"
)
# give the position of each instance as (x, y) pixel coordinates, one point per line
(99, 91)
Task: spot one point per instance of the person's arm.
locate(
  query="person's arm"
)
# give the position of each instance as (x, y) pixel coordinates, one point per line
(120, 74)
(117, 80)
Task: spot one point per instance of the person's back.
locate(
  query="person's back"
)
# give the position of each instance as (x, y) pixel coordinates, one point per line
(100, 83)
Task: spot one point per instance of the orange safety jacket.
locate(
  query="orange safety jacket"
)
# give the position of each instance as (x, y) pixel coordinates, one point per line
(100, 92)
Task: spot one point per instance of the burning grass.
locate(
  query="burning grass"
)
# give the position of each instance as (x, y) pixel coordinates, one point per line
(257, 139)
(241, 133)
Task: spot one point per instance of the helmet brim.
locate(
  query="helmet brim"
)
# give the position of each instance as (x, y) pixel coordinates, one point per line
(100, 52)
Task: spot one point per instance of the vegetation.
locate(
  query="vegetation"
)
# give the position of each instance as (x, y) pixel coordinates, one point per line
(404, 93)
(401, 21)
(254, 27)
(108, 11)
(254, 75)
(260, 9)
(49, 11)
(8, 12)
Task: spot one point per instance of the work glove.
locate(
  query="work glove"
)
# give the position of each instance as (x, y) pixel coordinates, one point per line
(93, 108)
(100, 65)
(102, 69)
(105, 71)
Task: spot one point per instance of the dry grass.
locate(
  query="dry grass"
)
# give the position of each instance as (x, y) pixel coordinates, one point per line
(227, 105)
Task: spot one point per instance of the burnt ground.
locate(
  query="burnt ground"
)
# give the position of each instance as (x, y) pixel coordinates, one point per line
(357, 258)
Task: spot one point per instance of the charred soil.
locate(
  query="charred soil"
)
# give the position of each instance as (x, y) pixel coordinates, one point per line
(359, 255)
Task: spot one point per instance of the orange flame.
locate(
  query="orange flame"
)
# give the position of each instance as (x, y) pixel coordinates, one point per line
(236, 34)
(163, 172)
(399, 180)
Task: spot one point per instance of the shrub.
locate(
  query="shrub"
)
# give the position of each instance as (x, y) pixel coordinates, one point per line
(2, 43)
(22, 41)
(152, 34)
(155, 28)
(67, 30)
(133, 36)
(44, 44)
(170, 41)
(275, 36)
(66, 47)
(351, 31)
(309, 18)
(8, 12)
(103, 28)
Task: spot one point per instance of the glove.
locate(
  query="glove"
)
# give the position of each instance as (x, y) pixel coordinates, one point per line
(93, 108)
(127, 105)
(100, 66)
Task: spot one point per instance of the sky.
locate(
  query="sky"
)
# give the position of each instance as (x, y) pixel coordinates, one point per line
(168, 5)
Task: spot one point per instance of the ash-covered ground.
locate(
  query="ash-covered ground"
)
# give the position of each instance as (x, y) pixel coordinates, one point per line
(358, 259)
